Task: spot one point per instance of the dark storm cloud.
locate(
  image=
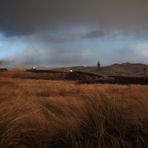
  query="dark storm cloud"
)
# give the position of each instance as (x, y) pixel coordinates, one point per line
(24, 17)
(95, 34)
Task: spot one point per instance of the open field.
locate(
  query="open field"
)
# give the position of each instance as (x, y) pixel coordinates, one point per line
(66, 114)
(79, 76)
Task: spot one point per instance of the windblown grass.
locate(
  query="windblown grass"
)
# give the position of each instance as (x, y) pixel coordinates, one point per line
(60, 114)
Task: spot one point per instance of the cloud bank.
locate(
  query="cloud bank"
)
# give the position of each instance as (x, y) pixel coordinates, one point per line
(71, 32)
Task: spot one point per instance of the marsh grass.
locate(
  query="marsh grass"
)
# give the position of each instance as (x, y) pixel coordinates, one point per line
(60, 114)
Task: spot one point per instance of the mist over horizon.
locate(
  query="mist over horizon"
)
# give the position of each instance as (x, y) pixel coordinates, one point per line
(57, 33)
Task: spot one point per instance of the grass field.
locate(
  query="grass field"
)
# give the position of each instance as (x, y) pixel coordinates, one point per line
(65, 114)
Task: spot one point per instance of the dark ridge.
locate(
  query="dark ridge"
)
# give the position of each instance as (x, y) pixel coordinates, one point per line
(44, 71)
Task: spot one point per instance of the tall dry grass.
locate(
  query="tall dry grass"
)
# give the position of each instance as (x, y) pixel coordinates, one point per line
(60, 114)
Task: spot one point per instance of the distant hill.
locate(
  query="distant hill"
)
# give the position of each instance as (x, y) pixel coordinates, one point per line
(124, 69)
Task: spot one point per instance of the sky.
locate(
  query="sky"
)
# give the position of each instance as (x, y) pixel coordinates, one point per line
(73, 32)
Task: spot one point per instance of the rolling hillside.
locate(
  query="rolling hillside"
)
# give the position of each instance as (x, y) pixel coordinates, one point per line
(125, 69)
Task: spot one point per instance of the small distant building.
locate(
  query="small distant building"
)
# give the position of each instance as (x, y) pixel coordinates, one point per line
(33, 68)
(70, 70)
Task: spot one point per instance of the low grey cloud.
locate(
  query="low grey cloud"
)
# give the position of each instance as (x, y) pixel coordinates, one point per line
(136, 53)
(51, 58)
(52, 38)
(94, 34)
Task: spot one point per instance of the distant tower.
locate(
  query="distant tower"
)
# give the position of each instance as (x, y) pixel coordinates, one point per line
(98, 64)
(144, 72)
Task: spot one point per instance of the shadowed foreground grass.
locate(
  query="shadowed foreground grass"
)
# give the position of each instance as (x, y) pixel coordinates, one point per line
(58, 114)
